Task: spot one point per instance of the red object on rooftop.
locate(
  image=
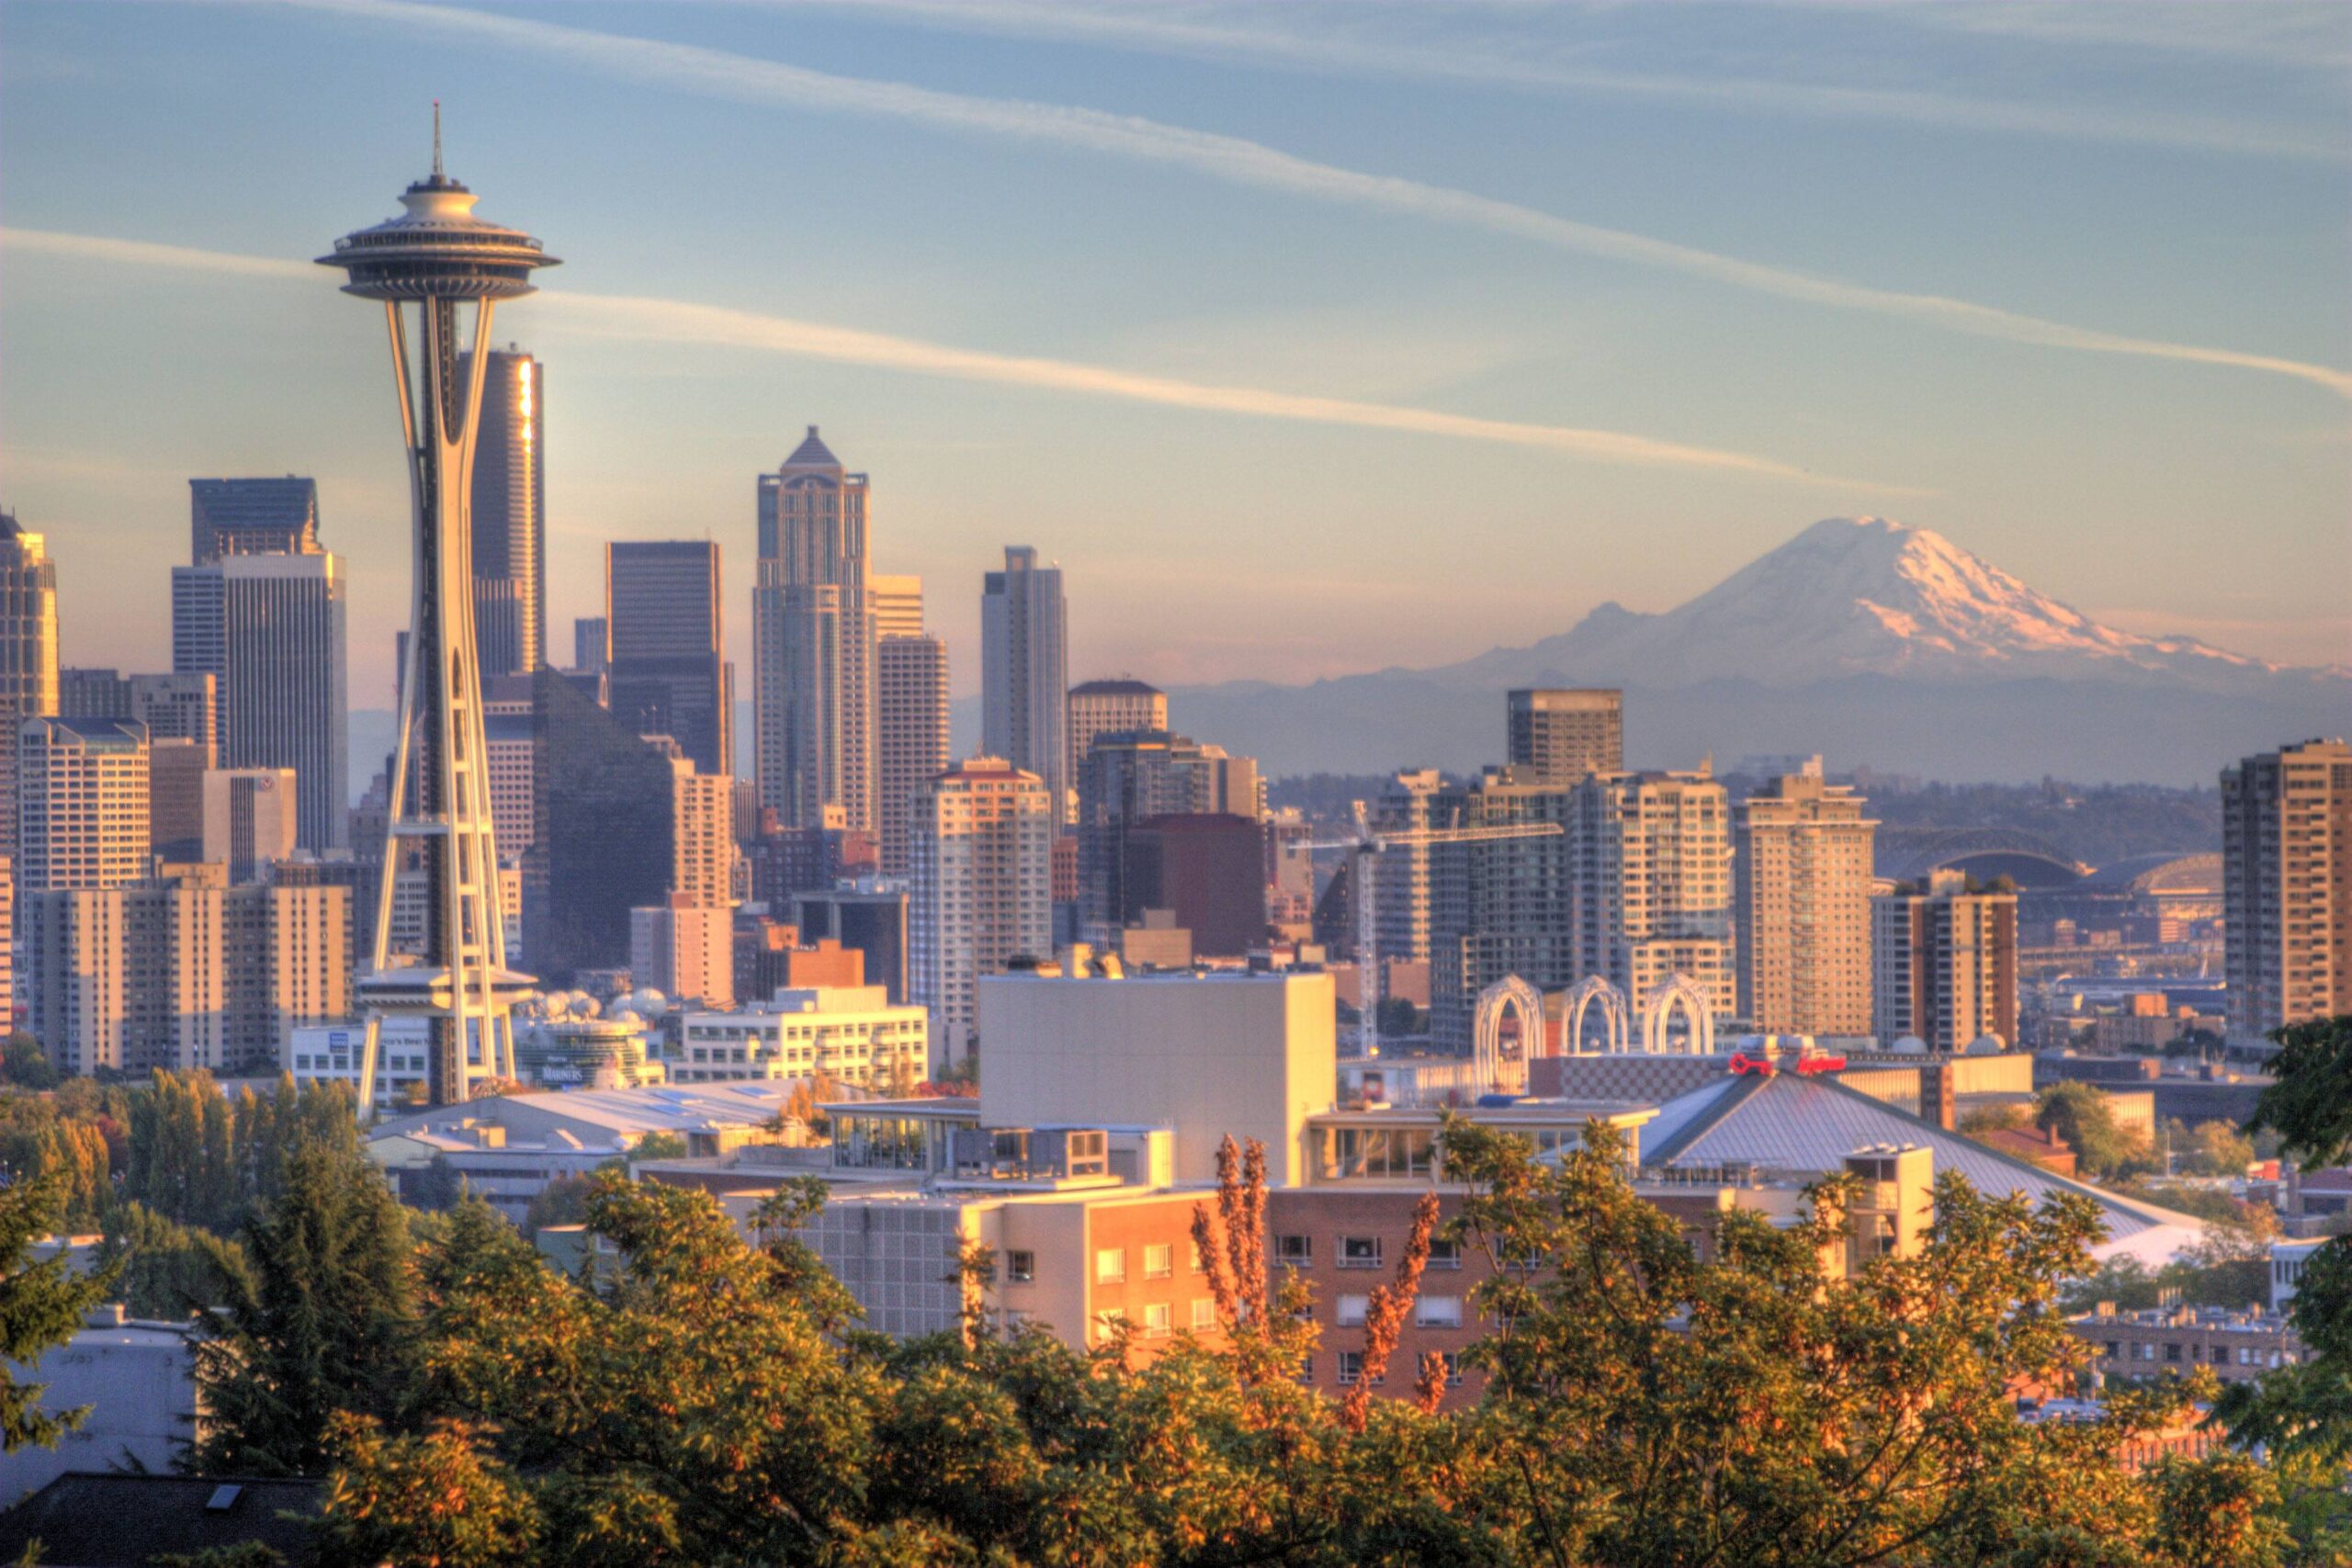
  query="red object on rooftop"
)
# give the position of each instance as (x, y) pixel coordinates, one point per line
(1742, 1062)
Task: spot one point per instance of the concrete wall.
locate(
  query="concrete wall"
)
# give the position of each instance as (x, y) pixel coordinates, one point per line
(1252, 1055)
(139, 1380)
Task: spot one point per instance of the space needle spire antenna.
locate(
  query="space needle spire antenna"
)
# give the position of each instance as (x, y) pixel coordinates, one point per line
(428, 266)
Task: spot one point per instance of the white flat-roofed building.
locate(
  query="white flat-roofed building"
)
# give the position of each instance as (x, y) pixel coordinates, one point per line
(851, 1033)
(1250, 1055)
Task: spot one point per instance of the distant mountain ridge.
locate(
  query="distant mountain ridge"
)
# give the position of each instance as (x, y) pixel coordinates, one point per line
(1868, 640)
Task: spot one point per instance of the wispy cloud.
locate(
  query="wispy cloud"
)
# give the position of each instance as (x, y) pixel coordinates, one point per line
(2315, 36)
(636, 318)
(1246, 37)
(745, 78)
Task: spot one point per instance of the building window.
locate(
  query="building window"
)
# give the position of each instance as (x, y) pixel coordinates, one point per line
(1160, 1260)
(1359, 1252)
(1158, 1320)
(2114, 1350)
(1438, 1311)
(1020, 1267)
(1352, 1310)
(2172, 1352)
(1444, 1254)
(1203, 1316)
(1306, 1369)
(1294, 1251)
(1108, 1325)
(1111, 1266)
(1452, 1368)
(1351, 1368)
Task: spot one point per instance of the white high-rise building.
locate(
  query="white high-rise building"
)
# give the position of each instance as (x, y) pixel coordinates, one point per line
(813, 633)
(269, 630)
(1649, 883)
(1025, 672)
(980, 857)
(1802, 857)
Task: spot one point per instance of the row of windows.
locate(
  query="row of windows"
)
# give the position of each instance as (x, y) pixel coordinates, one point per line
(1111, 1263)
(2247, 1354)
(1350, 1367)
(1158, 1320)
(1297, 1251)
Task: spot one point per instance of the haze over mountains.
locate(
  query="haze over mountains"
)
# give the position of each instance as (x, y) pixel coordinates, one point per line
(1868, 640)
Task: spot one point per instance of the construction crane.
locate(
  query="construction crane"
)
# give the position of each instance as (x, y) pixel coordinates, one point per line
(1363, 847)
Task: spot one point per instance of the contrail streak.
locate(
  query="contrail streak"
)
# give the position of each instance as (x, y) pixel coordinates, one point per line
(641, 319)
(745, 78)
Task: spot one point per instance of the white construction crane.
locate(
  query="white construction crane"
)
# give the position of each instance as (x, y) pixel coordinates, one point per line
(1363, 847)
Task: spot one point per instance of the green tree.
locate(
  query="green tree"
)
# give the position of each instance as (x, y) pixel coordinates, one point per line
(25, 1064)
(562, 1201)
(2305, 1412)
(42, 1303)
(170, 1270)
(2213, 1148)
(1650, 1408)
(324, 1325)
(2082, 1114)
(659, 1146)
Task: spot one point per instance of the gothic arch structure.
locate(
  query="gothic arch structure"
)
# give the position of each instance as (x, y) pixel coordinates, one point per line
(1657, 1012)
(1617, 1037)
(1495, 1073)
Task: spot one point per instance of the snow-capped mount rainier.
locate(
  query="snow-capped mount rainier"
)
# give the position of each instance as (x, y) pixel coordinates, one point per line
(1866, 596)
(1869, 640)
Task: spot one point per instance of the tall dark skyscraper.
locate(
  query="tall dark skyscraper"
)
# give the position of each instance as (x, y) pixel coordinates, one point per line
(252, 518)
(670, 674)
(28, 654)
(813, 625)
(510, 543)
(1025, 672)
(1562, 734)
(270, 629)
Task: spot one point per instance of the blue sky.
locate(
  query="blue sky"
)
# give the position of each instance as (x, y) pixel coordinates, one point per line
(1308, 339)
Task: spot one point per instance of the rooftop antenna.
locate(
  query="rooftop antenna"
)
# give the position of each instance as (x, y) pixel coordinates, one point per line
(437, 175)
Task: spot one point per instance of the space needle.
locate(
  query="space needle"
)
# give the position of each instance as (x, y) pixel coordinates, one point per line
(424, 265)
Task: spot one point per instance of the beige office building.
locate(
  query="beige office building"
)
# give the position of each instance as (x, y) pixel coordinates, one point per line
(684, 949)
(82, 804)
(1944, 966)
(1561, 734)
(185, 971)
(703, 848)
(979, 858)
(250, 822)
(2286, 877)
(897, 604)
(911, 733)
(1112, 707)
(1802, 858)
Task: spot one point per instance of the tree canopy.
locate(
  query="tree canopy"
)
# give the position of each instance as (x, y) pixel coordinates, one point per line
(707, 1399)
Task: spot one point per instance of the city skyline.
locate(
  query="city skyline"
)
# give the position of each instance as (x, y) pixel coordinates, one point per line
(1400, 310)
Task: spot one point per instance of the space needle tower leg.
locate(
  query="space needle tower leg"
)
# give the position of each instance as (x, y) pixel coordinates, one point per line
(425, 267)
